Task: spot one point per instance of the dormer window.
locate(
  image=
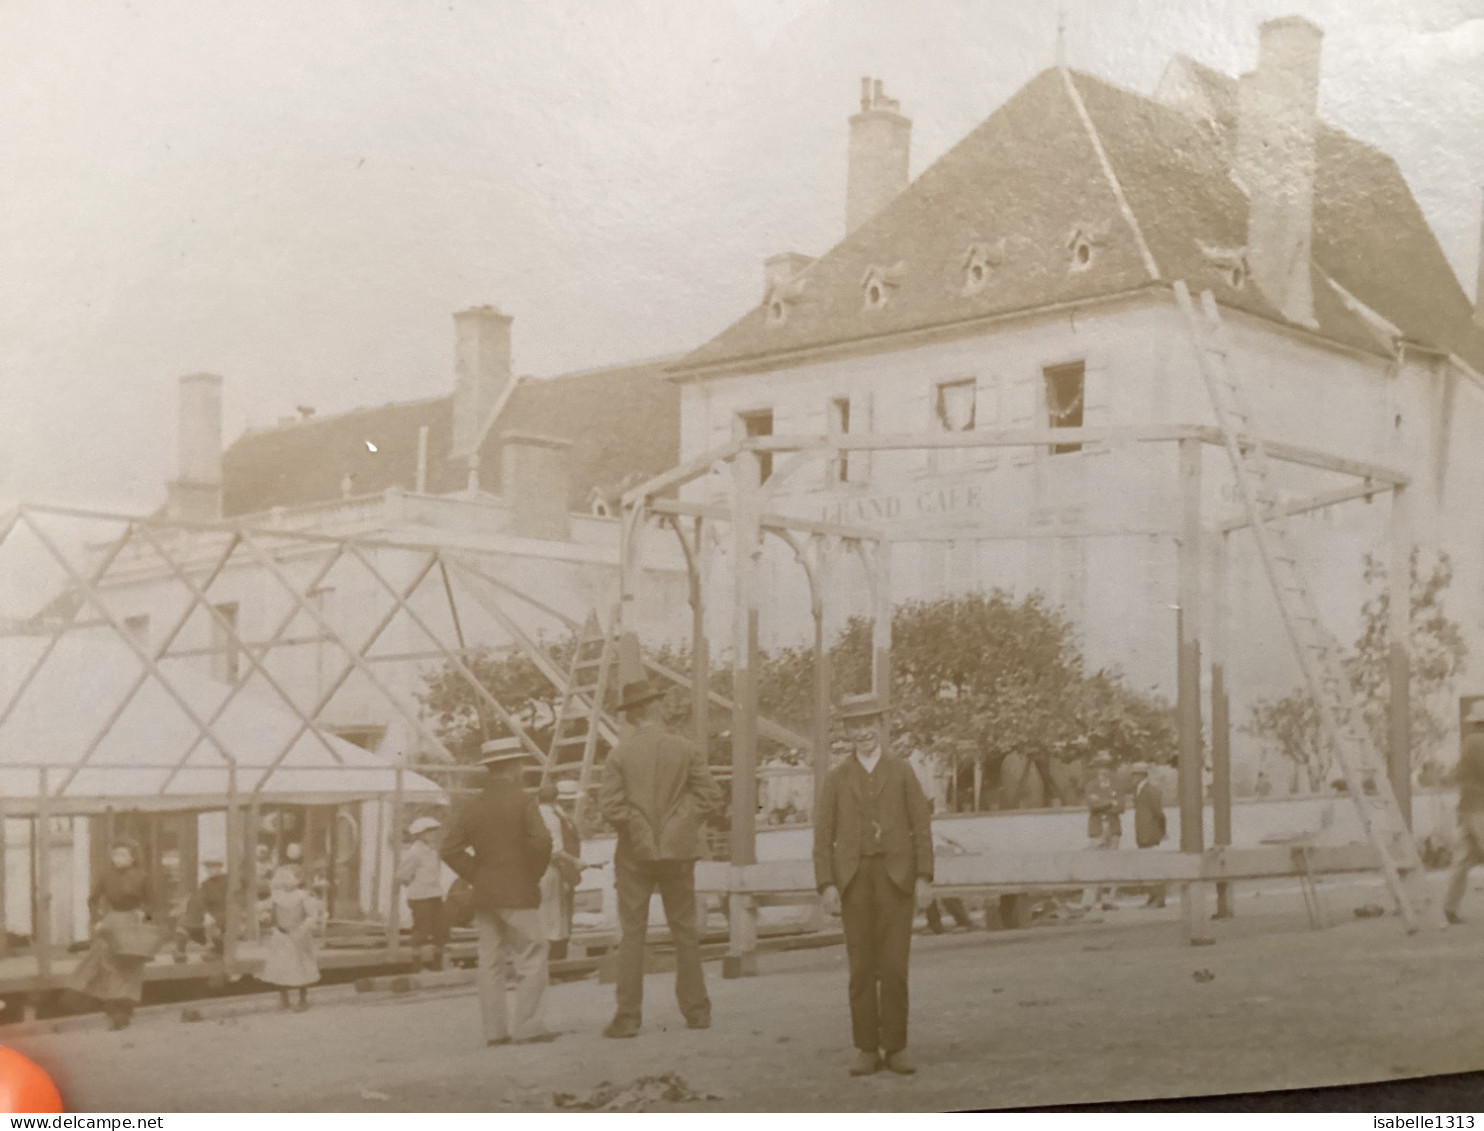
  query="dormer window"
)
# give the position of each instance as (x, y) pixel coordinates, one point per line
(1083, 244)
(1231, 262)
(980, 262)
(879, 284)
(781, 297)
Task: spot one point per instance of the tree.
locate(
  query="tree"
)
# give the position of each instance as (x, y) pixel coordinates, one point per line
(1290, 725)
(997, 676)
(462, 719)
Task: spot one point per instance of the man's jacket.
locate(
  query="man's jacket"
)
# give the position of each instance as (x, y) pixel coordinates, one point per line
(656, 791)
(901, 808)
(499, 844)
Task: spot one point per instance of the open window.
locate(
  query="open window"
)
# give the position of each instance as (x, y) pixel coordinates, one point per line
(759, 423)
(955, 409)
(1065, 394)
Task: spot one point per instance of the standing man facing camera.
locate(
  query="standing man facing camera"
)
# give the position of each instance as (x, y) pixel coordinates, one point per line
(873, 864)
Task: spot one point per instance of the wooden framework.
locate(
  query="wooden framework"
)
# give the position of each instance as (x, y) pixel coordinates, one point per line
(819, 546)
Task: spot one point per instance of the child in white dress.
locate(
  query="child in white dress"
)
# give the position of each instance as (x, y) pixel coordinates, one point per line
(293, 916)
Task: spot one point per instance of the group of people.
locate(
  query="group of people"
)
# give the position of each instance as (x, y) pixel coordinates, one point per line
(1105, 805)
(125, 934)
(873, 863)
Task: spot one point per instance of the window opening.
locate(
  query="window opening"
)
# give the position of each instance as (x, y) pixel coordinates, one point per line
(226, 658)
(840, 426)
(1064, 399)
(759, 423)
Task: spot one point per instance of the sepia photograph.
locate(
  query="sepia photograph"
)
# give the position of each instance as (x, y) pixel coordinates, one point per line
(758, 555)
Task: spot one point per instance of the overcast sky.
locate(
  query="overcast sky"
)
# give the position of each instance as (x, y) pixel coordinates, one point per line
(298, 196)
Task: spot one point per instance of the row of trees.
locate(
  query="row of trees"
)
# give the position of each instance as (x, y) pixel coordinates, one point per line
(984, 676)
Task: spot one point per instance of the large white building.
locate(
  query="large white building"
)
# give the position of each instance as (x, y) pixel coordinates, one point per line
(1025, 280)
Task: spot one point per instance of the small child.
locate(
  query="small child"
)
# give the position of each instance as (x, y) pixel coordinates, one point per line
(421, 877)
(293, 915)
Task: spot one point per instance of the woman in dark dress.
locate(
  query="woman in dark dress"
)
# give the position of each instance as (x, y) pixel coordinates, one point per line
(119, 902)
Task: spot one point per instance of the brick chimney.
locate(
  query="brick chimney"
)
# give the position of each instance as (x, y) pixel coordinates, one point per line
(880, 141)
(481, 375)
(195, 494)
(535, 480)
(1277, 118)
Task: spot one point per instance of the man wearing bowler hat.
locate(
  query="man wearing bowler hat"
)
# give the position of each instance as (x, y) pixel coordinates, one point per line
(873, 863)
(499, 844)
(656, 791)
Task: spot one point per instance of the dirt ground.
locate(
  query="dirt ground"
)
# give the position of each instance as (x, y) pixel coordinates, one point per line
(1062, 1014)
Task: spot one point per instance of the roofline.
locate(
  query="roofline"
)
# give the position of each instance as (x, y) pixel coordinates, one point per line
(891, 339)
(1124, 208)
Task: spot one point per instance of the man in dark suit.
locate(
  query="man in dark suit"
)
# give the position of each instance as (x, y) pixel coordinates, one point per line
(1149, 821)
(656, 790)
(499, 844)
(873, 864)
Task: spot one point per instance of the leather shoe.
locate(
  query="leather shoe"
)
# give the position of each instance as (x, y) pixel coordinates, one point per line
(621, 1029)
(900, 1063)
(698, 1022)
(1452, 917)
(866, 1064)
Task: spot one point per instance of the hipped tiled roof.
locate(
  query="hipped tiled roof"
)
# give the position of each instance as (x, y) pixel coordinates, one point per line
(622, 422)
(1031, 175)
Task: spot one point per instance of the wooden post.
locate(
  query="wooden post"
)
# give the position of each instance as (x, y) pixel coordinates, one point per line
(239, 898)
(741, 959)
(380, 842)
(1188, 685)
(819, 583)
(4, 864)
(881, 626)
(1221, 761)
(250, 855)
(700, 646)
(1399, 660)
(394, 908)
(41, 845)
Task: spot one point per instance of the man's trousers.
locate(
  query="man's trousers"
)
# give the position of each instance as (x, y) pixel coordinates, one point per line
(513, 938)
(877, 917)
(636, 881)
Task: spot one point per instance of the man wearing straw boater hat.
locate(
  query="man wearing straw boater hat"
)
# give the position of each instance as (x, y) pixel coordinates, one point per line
(873, 863)
(656, 790)
(499, 844)
(1470, 809)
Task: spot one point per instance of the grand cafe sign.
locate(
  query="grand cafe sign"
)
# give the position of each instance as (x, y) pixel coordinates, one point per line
(938, 501)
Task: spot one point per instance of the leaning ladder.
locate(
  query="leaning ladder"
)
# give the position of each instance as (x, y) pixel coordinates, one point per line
(1341, 725)
(580, 721)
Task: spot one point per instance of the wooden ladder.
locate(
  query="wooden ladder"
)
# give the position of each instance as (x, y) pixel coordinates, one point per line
(1341, 725)
(580, 720)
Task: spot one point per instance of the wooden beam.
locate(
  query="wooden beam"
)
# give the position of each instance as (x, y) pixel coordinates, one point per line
(1188, 681)
(1363, 490)
(988, 531)
(1399, 660)
(769, 521)
(681, 473)
(41, 845)
(986, 438)
(1065, 869)
(1221, 760)
(1312, 457)
(741, 960)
